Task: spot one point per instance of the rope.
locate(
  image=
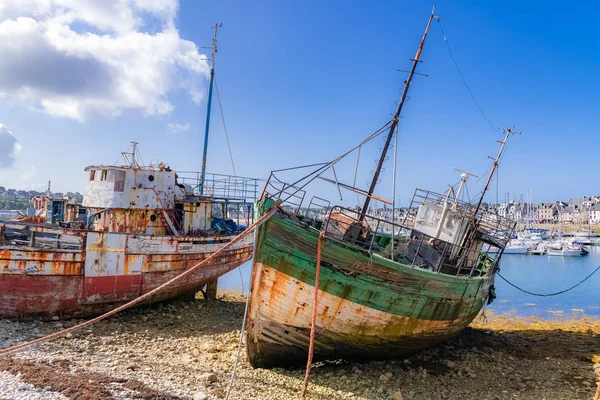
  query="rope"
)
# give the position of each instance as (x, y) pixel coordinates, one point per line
(225, 127)
(548, 294)
(463, 77)
(63, 332)
(311, 346)
(237, 358)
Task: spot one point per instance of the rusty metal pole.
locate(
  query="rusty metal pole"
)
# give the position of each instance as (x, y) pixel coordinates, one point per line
(212, 77)
(211, 289)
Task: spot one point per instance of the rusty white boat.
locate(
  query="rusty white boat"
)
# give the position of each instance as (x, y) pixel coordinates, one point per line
(144, 226)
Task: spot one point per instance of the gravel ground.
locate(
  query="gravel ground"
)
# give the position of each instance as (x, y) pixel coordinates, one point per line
(186, 350)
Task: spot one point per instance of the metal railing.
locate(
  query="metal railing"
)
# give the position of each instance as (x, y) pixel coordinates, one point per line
(222, 187)
(414, 248)
(41, 238)
(291, 196)
(494, 227)
(410, 246)
(317, 209)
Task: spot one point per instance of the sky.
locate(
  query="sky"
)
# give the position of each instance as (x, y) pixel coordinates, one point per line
(300, 83)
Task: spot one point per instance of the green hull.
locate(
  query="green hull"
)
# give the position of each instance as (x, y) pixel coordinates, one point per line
(369, 306)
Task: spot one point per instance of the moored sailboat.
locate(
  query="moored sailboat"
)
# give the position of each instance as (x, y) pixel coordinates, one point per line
(379, 295)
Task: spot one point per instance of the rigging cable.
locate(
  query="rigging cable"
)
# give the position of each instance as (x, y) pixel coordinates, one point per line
(463, 77)
(314, 174)
(394, 186)
(224, 126)
(355, 173)
(548, 294)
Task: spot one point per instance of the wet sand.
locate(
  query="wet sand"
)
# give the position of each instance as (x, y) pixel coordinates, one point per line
(188, 349)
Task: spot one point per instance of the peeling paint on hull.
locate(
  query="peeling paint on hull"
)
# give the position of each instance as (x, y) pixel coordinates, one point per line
(368, 307)
(112, 269)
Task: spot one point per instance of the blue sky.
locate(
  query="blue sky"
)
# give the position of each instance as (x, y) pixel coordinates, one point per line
(301, 82)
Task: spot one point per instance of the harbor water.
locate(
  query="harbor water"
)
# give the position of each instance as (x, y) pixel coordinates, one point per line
(537, 274)
(549, 274)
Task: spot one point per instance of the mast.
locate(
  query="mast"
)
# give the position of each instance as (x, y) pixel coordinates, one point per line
(395, 119)
(210, 88)
(507, 132)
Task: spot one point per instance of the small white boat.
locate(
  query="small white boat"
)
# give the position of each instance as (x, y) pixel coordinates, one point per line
(567, 251)
(515, 250)
(513, 247)
(538, 250)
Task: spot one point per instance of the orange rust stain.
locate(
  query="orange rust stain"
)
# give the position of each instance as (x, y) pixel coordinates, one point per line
(126, 265)
(65, 268)
(131, 221)
(5, 254)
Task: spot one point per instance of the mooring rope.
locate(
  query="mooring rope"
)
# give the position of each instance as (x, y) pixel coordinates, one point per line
(548, 294)
(239, 351)
(241, 341)
(137, 300)
(311, 345)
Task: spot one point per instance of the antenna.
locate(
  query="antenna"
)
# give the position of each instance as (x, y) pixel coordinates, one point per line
(132, 162)
(464, 177)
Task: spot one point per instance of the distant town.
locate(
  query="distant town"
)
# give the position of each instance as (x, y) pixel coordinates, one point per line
(19, 200)
(584, 210)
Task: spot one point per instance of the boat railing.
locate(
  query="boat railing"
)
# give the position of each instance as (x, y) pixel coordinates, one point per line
(403, 244)
(317, 209)
(493, 227)
(231, 188)
(291, 197)
(40, 237)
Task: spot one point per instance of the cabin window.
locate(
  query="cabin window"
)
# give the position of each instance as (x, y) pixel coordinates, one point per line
(111, 175)
(119, 181)
(92, 175)
(104, 175)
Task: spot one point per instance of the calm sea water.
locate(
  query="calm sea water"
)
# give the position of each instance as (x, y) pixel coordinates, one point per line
(539, 274)
(544, 274)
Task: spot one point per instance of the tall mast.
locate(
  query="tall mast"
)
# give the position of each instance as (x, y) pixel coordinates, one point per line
(395, 119)
(210, 88)
(507, 132)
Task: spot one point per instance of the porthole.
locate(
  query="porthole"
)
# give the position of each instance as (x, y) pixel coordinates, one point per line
(151, 178)
(153, 218)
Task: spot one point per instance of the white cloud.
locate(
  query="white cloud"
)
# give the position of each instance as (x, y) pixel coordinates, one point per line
(82, 59)
(8, 147)
(176, 128)
(28, 178)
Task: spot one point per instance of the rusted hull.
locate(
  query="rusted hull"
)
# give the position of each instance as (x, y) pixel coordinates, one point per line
(109, 270)
(346, 330)
(369, 307)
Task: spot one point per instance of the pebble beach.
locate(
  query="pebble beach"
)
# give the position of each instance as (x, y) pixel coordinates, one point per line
(187, 350)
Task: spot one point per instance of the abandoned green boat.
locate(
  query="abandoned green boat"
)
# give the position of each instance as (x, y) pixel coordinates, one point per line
(387, 287)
